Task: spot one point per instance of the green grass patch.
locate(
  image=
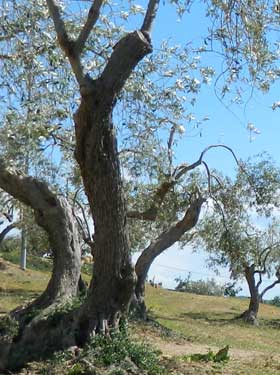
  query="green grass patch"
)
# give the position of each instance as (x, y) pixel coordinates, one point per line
(212, 320)
(33, 262)
(221, 356)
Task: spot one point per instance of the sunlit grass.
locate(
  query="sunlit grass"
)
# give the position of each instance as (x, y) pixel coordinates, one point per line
(203, 320)
(211, 320)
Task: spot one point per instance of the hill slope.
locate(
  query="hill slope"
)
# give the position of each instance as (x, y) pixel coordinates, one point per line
(200, 323)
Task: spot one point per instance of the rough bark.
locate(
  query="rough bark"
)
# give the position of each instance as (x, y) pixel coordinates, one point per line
(55, 216)
(163, 242)
(251, 314)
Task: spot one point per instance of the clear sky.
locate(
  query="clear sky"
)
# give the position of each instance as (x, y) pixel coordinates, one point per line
(224, 126)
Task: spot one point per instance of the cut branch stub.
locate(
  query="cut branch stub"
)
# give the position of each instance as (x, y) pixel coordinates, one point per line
(126, 55)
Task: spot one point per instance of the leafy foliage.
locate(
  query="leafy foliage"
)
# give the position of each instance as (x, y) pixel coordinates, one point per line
(275, 301)
(220, 356)
(229, 231)
(8, 327)
(230, 289)
(203, 287)
(116, 349)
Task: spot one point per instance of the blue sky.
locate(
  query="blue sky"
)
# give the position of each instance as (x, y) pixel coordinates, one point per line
(224, 126)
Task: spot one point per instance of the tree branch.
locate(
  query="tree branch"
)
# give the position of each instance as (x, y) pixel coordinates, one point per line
(59, 24)
(126, 55)
(7, 230)
(181, 170)
(92, 18)
(150, 16)
(157, 200)
(268, 251)
(260, 280)
(66, 44)
(169, 147)
(175, 232)
(151, 213)
(85, 219)
(269, 287)
(169, 236)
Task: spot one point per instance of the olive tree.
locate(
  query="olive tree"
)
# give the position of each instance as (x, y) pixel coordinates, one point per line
(241, 230)
(107, 62)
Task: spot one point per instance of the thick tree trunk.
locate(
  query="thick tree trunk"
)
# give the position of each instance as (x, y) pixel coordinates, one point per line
(55, 216)
(41, 335)
(113, 280)
(250, 315)
(163, 242)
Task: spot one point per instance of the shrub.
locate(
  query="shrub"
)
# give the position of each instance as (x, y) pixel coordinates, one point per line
(8, 327)
(121, 351)
(275, 301)
(207, 287)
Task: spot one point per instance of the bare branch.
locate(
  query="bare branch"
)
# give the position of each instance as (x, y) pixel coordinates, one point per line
(183, 169)
(7, 57)
(269, 287)
(267, 251)
(169, 147)
(58, 22)
(80, 223)
(84, 218)
(92, 18)
(260, 280)
(7, 230)
(150, 16)
(208, 176)
(164, 188)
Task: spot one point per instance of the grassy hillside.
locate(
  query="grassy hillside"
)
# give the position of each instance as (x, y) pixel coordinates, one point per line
(186, 324)
(210, 320)
(18, 287)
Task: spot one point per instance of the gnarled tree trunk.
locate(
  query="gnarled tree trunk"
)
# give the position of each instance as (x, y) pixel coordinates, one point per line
(96, 152)
(250, 315)
(55, 216)
(163, 242)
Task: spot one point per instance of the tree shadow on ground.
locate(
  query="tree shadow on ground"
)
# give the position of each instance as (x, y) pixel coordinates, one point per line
(213, 317)
(18, 292)
(271, 323)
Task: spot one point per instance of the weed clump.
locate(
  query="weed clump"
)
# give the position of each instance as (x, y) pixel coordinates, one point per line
(8, 327)
(121, 353)
(221, 356)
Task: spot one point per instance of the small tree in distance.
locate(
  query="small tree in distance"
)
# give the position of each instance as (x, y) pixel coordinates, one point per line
(207, 287)
(232, 236)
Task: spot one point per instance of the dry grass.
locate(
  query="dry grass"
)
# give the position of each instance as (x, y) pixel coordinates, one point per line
(211, 320)
(18, 287)
(209, 323)
(201, 322)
